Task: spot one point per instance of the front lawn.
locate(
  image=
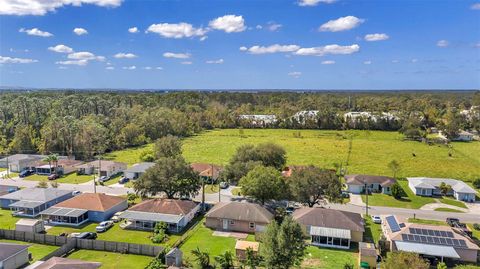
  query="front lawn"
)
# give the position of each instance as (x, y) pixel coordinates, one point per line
(211, 188)
(327, 258)
(237, 191)
(7, 221)
(71, 178)
(476, 233)
(373, 231)
(38, 251)
(411, 201)
(428, 222)
(451, 201)
(113, 180)
(112, 260)
(446, 209)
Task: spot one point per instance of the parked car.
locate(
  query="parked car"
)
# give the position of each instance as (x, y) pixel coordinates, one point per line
(376, 219)
(123, 180)
(86, 235)
(452, 221)
(104, 226)
(75, 235)
(103, 179)
(224, 185)
(345, 194)
(289, 210)
(26, 173)
(116, 216)
(53, 176)
(75, 193)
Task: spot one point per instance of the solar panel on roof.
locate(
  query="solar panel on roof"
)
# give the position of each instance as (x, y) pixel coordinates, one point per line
(443, 241)
(392, 223)
(462, 243)
(449, 241)
(437, 233)
(430, 240)
(450, 234)
(431, 232)
(443, 233)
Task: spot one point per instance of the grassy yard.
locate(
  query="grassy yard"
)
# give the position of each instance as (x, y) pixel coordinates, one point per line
(373, 231)
(411, 201)
(237, 191)
(129, 156)
(72, 178)
(325, 258)
(111, 260)
(446, 209)
(451, 201)
(428, 222)
(38, 251)
(211, 188)
(476, 233)
(7, 221)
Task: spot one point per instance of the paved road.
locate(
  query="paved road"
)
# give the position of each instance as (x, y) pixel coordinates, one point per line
(225, 195)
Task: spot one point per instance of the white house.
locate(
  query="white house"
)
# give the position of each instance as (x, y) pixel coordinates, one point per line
(424, 186)
(259, 120)
(137, 170)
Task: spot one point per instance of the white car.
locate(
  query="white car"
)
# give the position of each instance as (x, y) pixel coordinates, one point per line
(104, 226)
(116, 217)
(75, 193)
(376, 219)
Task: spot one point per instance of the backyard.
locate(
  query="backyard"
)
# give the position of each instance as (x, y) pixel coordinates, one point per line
(326, 258)
(38, 251)
(111, 260)
(7, 221)
(372, 232)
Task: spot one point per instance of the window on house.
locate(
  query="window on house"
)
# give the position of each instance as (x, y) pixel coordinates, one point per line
(232, 222)
(252, 225)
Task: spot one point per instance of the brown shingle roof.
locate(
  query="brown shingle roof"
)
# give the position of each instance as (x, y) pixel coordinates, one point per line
(92, 201)
(241, 212)
(329, 218)
(63, 263)
(165, 206)
(206, 169)
(369, 179)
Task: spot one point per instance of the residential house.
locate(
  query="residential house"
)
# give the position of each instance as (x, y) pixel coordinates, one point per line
(238, 217)
(64, 263)
(302, 116)
(30, 202)
(19, 162)
(288, 171)
(357, 183)
(107, 168)
(95, 207)
(463, 136)
(63, 166)
(429, 241)
(329, 227)
(6, 189)
(424, 186)
(13, 256)
(259, 120)
(208, 172)
(137, 170)
(176, 213)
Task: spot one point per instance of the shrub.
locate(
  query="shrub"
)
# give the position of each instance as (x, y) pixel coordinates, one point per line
(476, 226)
(476, 183)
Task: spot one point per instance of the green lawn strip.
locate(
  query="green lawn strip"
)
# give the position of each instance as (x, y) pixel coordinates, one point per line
(2, 169)
(372, 232)
(10, 175)
(129, 156)
(112, 260)
(113, 180)
(411, 201)
(451, 201)
(7, 221)
(237, 191)
(327, 258)
(476, 233)
(446, 209)
(38, 251)
(211, 188)
(428, 222)
(71, 178)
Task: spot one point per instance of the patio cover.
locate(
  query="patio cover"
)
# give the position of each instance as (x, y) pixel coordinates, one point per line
(26, 204)
(147, 216)
(64, 212)
(426, 249)
(331, 232)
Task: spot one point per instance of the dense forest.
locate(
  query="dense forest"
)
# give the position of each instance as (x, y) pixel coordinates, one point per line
(86, 123)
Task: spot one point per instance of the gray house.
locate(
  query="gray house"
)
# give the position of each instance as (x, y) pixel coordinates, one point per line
(357, 183)
(424, 186)
(13, 256)
(31, 201)
(137, 170)
(19, 162)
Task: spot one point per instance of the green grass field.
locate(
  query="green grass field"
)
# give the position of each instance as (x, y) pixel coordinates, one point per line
(476, 233)
(446, 209)
(211, 188)
(325, 258)
(38, 251)
(7, 221)
(451, 201)
(372, 232)
(111, 260)
(428, 222)
(411, 201)
(72, 178)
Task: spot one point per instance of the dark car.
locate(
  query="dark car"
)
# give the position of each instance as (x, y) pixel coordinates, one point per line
(53, 177)
(26, 173)
(453, 221)
(103, 179)
(86, 235)
(123, 180)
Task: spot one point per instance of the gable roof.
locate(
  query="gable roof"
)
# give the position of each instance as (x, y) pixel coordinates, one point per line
(105, 164)
(139, 167)
(165, 206)
(6, 189)
(330, 218)
(432, 183)
(17, 157)
(206, 169)
(36, 194)
(240, 211)
(92, 201)
(8, 250)
(64, 263)
(369, 179)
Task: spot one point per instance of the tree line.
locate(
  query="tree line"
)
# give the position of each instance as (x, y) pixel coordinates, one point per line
(86, 123)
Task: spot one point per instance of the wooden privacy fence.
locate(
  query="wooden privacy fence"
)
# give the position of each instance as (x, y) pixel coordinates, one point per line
(68, 244)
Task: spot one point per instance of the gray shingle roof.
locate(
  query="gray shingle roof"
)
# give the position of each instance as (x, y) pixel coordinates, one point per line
(139, 167)
(426, 182)
(241, 212)
(36, 194)
(7, 250)
(330, 218)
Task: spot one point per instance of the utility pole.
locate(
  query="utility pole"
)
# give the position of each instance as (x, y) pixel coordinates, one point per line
(366, 199)
(203, 192)
(8, 169)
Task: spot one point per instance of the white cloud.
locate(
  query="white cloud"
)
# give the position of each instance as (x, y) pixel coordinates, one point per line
(295, 74)
(147, 68)
(367, 62)
(341, 24)
(328, 62)
(475, 6)
(122, 55)
(176, 55)
(110, 68)
(203, 38)
(309, 3)
(133, 30)
(376, 37)
(219, 61)
(10, 60)
(35, 32)
(270, 49)
(84, 55)
(187, 62)
(328, 49)
(442, 43)
(228, 23)
(159, 68)
(132, 67)
(41, 7)
(80, 31)
(273, 27)
(176, 30)
(73, 62)
(259, 27)
(61, 49)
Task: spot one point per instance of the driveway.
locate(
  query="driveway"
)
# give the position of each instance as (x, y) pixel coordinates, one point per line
(356, 199)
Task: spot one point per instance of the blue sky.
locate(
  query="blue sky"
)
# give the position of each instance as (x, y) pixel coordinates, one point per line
(275, 44)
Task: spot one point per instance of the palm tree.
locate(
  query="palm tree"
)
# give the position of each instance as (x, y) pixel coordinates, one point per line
(52, 158)
(225, 260)
(49, 160)
(202, 258)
